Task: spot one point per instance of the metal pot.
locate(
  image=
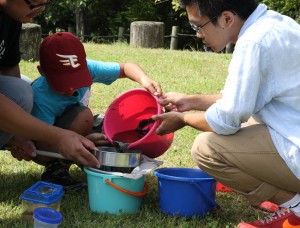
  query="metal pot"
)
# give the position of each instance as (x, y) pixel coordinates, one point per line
(111, 160)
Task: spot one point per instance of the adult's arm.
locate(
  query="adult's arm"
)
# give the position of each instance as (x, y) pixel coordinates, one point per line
(10, 71)
(16, 121)
(173, 121)
(181, 102)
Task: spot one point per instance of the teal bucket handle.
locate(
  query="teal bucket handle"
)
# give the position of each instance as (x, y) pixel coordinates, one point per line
(209, 200)
(136, 194)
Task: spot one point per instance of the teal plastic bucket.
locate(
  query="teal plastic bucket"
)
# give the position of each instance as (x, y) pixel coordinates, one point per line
(185, 192)
(114, 194)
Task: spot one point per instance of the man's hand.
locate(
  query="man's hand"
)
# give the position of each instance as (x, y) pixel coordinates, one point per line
(170, 122)
(76, 147)
(173, 101)
(22, 148)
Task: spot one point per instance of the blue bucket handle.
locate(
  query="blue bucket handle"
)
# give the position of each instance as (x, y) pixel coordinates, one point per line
(208, 200)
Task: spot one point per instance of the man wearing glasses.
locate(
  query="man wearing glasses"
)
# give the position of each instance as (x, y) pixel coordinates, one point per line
(16, 95)
(261, 160)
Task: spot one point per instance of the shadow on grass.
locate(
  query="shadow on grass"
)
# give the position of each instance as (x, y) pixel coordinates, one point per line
(18, 176)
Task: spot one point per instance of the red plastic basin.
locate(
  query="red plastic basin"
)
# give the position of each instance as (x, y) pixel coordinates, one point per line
(124, 116)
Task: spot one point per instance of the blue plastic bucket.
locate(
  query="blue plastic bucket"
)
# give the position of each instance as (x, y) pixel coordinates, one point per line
(114, 194)
(185, 191)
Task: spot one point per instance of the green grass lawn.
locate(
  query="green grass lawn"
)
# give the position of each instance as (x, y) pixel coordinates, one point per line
(180, 71)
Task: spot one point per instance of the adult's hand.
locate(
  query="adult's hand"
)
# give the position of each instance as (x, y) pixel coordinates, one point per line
(173, 121)
(69, 144)
(174, 101)
(181, 102)
(22, 148)
(76, 147)
(170, 122)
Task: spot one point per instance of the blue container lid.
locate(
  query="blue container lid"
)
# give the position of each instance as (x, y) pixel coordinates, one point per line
(47, 215)
(43, 193)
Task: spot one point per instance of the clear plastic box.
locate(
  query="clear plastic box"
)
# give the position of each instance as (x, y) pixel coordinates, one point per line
(41, 194)
(45, 217)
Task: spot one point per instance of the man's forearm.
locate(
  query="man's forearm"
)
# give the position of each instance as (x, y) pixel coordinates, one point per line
(202, 102)
(16, 121)
(196, 120)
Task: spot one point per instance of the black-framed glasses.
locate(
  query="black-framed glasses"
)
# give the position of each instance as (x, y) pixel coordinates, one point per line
(35, 7)
(198, 28)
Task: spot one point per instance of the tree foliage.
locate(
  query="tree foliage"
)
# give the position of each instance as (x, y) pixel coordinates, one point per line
(104, 17)
(101, 14)
(290, 8)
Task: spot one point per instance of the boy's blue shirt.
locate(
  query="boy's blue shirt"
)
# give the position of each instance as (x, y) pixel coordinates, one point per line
(48, 104)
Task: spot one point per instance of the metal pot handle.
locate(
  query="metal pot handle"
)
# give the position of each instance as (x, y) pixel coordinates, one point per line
(136, 194)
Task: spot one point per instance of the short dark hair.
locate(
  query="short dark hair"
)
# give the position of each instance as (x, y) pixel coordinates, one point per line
(211, 8)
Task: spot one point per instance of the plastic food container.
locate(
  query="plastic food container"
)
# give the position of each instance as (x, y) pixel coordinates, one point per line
(45, 217)
(41, 194)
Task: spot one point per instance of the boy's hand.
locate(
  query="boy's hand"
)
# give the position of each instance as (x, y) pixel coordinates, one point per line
(152, 86)
(98, 138)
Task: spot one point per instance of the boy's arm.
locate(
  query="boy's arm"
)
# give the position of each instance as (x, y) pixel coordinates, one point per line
(137, 74)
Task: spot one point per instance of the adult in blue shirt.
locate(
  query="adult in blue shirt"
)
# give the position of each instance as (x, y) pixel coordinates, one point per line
(62, 94)
(261, 160)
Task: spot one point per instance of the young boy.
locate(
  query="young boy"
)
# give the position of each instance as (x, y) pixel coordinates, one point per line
(61, 95)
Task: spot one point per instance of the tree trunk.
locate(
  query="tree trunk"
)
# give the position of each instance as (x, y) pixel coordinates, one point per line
(30, 41)
(80, 29)
(121, 34)
(174, 38)
(148, 34)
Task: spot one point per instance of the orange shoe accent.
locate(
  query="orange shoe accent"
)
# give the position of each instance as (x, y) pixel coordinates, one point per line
(280, 219)
(222, 188)
(269, 207)
(286, 224)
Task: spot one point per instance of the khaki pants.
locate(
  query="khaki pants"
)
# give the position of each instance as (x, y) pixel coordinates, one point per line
(246, 162)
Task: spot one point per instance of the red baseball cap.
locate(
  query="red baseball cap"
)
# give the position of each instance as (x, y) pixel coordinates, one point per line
(63, 61)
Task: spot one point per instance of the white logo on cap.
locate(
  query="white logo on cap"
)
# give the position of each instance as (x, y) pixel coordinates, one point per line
(69, 60)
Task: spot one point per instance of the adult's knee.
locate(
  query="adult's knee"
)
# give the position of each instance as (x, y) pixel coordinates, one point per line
(18, 91)
(202, 148)
(26, 98)
(78, 118)
(83, 123)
